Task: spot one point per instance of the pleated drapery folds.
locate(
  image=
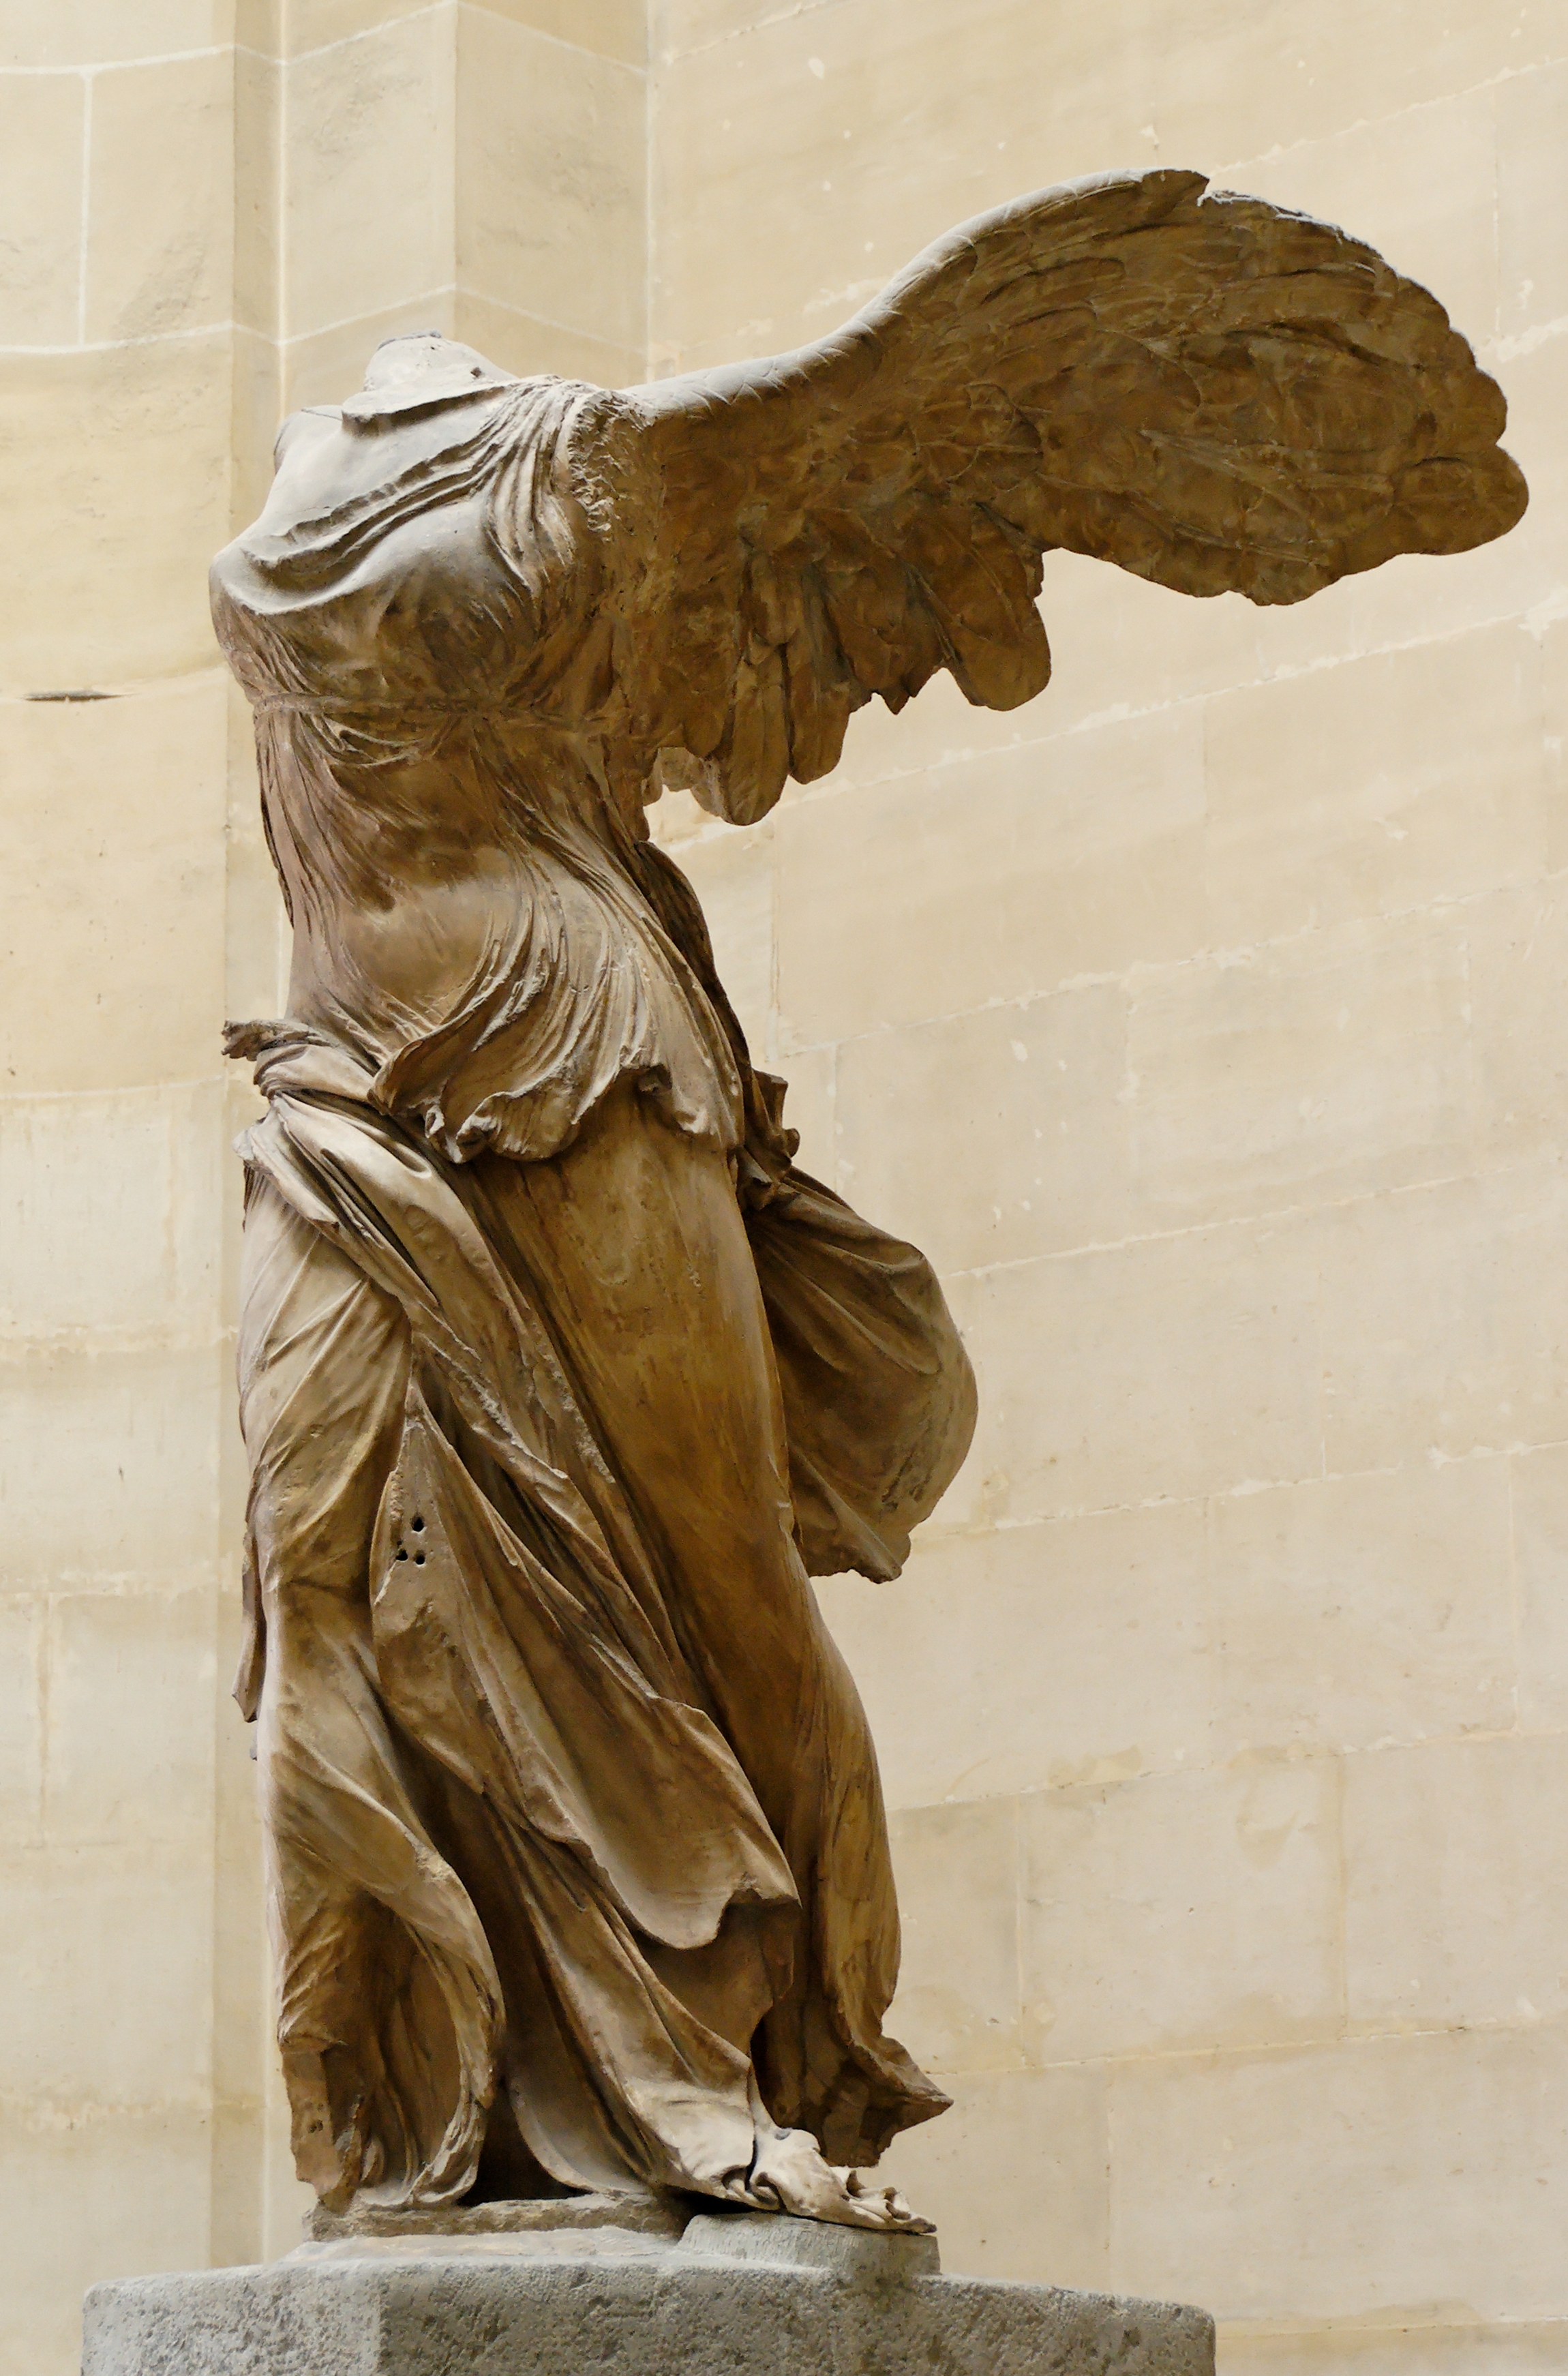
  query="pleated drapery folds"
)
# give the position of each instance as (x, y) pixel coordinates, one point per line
(576, 1838)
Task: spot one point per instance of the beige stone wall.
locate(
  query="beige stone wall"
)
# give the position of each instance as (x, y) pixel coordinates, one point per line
(1206, 1022)
(1202, 1020)
(130, 1970)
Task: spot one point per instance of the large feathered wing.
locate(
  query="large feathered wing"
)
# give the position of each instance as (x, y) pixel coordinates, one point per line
(1203, 389)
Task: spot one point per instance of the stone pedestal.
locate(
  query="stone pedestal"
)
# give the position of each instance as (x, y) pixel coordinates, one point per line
(735, 2294)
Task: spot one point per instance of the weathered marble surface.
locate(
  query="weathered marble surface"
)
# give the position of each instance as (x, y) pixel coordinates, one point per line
(557, 1376)
(742, 2295)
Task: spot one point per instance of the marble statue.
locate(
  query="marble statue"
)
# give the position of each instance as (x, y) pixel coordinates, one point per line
(558, 1379)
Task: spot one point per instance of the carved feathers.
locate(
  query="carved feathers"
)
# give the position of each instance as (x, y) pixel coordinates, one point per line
(1205, 390)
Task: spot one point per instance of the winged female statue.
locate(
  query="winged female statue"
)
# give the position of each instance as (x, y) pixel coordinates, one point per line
(558, 1379)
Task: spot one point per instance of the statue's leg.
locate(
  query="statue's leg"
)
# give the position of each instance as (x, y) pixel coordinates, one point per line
(362, 1912)
(634, 1246)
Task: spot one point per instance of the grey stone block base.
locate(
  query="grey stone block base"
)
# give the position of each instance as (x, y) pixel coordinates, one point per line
(737, 2295)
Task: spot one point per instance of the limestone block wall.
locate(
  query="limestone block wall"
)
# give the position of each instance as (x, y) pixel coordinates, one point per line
(476, 170)
(1204, 1022)
(130, 1972)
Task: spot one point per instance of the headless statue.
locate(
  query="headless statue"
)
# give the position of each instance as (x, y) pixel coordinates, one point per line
(558, 1379)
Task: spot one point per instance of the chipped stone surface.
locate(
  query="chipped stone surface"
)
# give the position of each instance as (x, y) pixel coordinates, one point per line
(643, 2212)
(766, 2297)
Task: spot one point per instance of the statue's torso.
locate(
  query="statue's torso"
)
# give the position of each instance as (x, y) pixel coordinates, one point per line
(418, 631)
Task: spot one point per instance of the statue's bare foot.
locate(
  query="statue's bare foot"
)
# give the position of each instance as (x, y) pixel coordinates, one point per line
(790, 2174)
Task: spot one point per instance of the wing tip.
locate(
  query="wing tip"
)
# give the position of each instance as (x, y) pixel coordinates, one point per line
(1490, 502)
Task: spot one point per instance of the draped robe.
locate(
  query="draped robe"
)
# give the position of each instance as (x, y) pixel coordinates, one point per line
(557, 1377)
